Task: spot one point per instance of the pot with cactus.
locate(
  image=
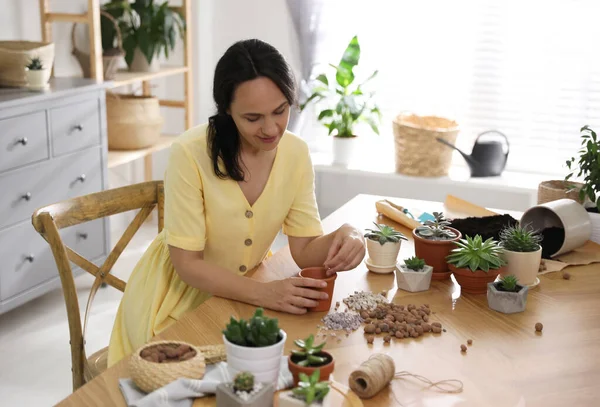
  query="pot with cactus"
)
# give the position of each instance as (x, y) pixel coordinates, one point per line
(308, 358)
(475, 263)
(522, 252)
(507, 295)
(244, 391)
(310, 392)
(414, 275)
(37, 74)
(433, 242)
(255, 346)
(383, 246)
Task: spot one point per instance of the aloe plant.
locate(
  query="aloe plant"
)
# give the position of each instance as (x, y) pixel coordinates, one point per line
(476, 254)
(509, 283)
(308, 353)
(519, 238)
(259, 331)
(437, 228)
(414, 263)
(384, 234)
(310, 388)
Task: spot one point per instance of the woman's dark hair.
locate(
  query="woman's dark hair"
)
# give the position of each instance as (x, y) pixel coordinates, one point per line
(243, 61)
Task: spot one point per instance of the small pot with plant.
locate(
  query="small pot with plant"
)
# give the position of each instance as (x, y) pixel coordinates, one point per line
(245, 392)
(37, 74)
(507, 295)
(475, 263)
(522, 252)
(310, 392)
(350, 104)
(255, 346)
(309, 358)
(320, 273)
(433, 242)
(414, 275)
(383, 245)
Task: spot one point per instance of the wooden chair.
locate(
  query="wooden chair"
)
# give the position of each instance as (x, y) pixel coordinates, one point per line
(49, 219)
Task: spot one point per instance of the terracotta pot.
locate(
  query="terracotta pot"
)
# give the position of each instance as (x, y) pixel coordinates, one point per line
(325, 370)
(434, 252)
(319, 273)
(474, 282)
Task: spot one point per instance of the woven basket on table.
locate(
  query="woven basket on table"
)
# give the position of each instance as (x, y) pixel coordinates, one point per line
(110, 63)
(149, 376)
(555, 189)
(15, 55)
(418, 153)
(133, 122)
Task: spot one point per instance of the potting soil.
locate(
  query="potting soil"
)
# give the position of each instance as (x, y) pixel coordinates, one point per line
(553, 239)
(486, 226)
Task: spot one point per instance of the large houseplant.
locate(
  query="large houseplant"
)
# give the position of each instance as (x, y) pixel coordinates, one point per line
(350, 104)
(383, 245)
(522, 252)
(308, 358)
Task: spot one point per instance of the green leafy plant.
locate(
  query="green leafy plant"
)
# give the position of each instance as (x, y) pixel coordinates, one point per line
(310, 388)
(519, 238)
(349, 102)
(243, 381)
(308, 353)
(509, 283)
(437, 228)
(588, 166)
(384, 233)
(414, 263)
(35, 64)
(476, 254)
(259, 331)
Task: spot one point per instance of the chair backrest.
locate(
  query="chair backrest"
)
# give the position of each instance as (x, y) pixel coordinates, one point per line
(50, 219)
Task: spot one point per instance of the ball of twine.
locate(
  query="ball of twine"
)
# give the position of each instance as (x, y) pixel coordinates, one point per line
(379, 370)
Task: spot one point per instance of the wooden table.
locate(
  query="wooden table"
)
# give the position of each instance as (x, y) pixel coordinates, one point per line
(507, 365)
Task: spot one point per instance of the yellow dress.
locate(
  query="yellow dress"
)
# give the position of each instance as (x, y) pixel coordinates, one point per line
(204, 212)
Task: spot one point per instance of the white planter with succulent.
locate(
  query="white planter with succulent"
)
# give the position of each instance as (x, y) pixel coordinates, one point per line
(383, 246)
(350, 104)
(311, 392)
(507, 296)
(37, 74)
(414, 275)
(522, 253)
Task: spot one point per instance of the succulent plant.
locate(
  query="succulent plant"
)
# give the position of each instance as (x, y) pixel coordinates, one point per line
(519, 238)
(35, 64)
(414, 263)
(259, 331)
(384, 234)
(437, 228)
(308, 353)
(310, 388)
(509, 283)
(475, 254)
(243, 381)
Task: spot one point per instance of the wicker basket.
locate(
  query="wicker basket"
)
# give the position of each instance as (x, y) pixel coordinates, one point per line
(555, 189)
(418, 153)
(133, 122)
(14, 55)
(110, 63)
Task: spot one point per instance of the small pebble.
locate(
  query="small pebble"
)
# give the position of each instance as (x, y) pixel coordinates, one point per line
(444, 330)
(370, 339)
(387, 338)
(539, 327)
(463, 348)
(469, 341)
(378, 331)
(342, 320)
(567, 275)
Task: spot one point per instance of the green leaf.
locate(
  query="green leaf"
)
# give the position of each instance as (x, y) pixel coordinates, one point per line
(323, 78)
(325, 113)
(311, 98)
(373, 125)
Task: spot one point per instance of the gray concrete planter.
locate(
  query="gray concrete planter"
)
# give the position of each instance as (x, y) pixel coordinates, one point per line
(414, 281)
(505, 302)
(226, 397)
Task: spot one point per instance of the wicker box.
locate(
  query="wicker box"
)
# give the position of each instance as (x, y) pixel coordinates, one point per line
(133, 122)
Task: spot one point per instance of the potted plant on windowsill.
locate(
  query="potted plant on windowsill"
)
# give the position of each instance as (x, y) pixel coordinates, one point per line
(350, 104)
(475, 263)
(245, 392)
(433, 242)
(255, 346)
(507, 295)
(310, 392)
(310, 358)
(383, 246)
(414, 275)
(522, 253)
(37, 74)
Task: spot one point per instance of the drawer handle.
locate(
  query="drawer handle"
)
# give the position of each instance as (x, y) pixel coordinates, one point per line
(82, 235)
(23, 141)
(81, 178)
(78, 127)
(27, 196)
(30, 258)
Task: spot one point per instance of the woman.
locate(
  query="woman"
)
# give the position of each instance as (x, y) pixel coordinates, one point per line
(230, 186)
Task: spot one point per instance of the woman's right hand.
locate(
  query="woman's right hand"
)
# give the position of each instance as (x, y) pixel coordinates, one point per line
(293, 295)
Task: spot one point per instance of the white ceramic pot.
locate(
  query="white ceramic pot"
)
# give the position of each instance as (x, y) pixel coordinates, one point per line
(385, 255)
(286, 399)
(140, 63)
(523, 265)
(595, 219)
(343, 150)
(37, 78)
(563, 213)
(264, 363)
(414, 281)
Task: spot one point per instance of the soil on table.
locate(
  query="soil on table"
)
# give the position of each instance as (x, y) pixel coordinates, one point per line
(486, 226)
(553, 239)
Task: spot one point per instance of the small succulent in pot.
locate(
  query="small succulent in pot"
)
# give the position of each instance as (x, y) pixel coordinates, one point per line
(437, 229)
(383, 245)
(35, 64)
(509, 284)
(415, 264)
(507, 295)
(384, 234)
(311, 391)
(414, 275)
(259, 331)
(243, 381)
(310, 357)
(36, 73)
(245, 391)
(519, 238)
(522, 252)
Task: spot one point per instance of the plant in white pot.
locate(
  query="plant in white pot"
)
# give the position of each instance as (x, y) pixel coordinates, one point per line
(310, 392)
(414, 275)
(244, 391)
(350, 104)
(507, 295)
(522, 253)
(37, 74)
(255, 346)
(383, 246)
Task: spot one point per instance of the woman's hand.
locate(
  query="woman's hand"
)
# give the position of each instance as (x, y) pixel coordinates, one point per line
(291, 295)
(346, 251)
